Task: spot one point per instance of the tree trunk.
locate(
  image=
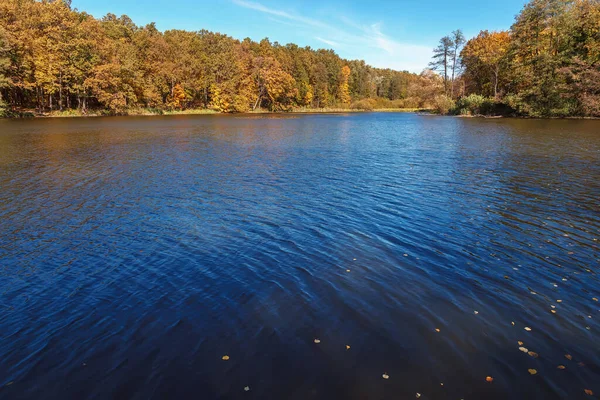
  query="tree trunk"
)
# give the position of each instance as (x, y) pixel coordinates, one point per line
(446, 72)
(60, 96)
(496, 82)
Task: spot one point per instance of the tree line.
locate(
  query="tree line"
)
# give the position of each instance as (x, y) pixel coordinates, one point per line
(546, 65)
(53, 57)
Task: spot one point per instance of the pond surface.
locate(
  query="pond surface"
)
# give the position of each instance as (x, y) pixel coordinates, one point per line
(135, 253)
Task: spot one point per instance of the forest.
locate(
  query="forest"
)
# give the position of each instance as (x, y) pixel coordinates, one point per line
(57, 59)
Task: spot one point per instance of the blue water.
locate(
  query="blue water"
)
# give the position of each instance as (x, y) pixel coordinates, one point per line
(136, 252)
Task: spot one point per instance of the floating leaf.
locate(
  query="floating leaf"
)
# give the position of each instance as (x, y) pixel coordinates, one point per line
(581, 364)
(512, 323)
(247, 389)
(520, 343)
(559, 301)
(594, 298)
(523, 349)
(385, 376)
(553, 311)
(317, 341)
(588, 392)
(532, 371)
(225, 357)
(347, 347)
(476, 312)
(437, 329)
(418, 395)
(347, 270)
(561, 367)
(533, 354)
(568, 356)
(528, 329)
(489, 379)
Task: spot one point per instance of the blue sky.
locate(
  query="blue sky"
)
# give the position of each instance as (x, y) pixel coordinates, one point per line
(389, 34)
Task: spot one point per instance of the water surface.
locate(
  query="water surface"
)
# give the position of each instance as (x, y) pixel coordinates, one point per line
(136, 252)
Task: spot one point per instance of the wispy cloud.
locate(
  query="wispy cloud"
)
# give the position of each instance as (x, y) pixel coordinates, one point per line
(259, 7)
(329, 42)
(357, 40)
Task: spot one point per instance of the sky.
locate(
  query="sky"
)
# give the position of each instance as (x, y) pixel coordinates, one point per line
(397, 34)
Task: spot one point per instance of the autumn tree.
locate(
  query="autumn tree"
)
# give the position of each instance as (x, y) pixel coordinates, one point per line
(4, 63)
(485, 58)
(344, 89)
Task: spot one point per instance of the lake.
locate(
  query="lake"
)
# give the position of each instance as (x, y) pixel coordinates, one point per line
(315, 253)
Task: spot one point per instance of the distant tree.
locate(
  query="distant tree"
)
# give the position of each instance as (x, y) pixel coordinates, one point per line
(458, 40)
(344, 90)
(442, 56)
(484, 58)
(4, 62)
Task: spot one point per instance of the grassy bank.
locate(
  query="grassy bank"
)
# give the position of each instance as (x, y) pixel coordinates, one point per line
(28, 113)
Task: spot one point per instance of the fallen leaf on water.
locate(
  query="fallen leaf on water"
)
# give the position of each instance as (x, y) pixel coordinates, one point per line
(520, 343)
(553, 306)
(532, 371)
(589, 392)
(247, 389)
(418, 395)
(533, 354)
(437, 329)
(581, 364)
(225, 357)
(489, 379)
(559, 301)
(561, 367)
(347, 347)
(568, 356)
(595, 299)
(317, 341)
(441, 383)
(553, 311)
(347, 270)
(386, 376)
(523, 349)
(533, 293)
(512, 323)
(528, 329)
(476, 312)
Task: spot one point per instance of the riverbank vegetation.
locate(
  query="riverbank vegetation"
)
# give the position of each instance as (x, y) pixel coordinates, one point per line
(55, 60)
(546, 65)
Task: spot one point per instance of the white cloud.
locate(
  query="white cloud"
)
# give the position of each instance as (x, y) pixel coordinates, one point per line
(329, 42)
(366, 42)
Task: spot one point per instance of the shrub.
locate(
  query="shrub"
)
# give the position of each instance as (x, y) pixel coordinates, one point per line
(365, 105)
(472, 104)
(443, 104)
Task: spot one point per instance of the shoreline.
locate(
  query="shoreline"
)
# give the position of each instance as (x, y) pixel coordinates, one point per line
(31, 114)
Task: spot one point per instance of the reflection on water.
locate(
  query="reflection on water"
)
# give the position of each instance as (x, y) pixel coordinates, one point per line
(137, 252)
